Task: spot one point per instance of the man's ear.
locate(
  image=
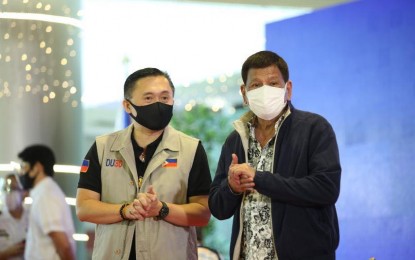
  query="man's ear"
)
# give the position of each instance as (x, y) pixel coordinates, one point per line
(243, 93)
(289, 90)
(127, 106)
(38, 167)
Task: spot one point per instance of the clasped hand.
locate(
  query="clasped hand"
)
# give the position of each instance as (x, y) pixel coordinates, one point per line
(240, 176)
(145, 205)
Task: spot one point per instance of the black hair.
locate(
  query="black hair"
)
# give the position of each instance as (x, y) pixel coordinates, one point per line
(264, 59)
(143, 73)
(39, 153)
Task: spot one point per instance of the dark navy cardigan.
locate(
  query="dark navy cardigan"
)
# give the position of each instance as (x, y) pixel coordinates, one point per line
(304, 187)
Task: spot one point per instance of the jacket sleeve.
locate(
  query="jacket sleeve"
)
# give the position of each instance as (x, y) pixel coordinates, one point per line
(223, 203)
(308, 176)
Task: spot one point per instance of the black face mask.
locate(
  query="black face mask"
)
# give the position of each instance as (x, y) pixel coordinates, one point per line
(27, 181)
(155, 116)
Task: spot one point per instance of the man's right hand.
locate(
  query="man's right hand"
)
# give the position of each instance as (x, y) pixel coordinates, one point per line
(143, 205)
(240, 176)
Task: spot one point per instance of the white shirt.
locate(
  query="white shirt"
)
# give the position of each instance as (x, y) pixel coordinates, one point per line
(49, 212)
(12, 230)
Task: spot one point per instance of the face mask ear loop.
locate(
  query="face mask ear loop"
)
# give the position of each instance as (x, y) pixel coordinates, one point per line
(129, 102)
(19, 183)
(37, 171)
(131, 105)
(245, 98)
(285, 92)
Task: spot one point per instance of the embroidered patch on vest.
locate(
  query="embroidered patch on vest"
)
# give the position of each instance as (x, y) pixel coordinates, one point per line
(84, 166)
(169, 163)
(113, 163)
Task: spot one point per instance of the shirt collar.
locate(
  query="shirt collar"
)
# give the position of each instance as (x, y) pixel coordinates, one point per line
(251, 123)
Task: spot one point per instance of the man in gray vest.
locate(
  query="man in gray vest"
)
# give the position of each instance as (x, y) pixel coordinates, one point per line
(146, 186)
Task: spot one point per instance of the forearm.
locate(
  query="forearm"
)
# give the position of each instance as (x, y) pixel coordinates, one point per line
(14, 250)
(66, 253)
(4, 254)
(192, 214)
(222, 201)
(90, 208)
(310, 191)
(98, 212)
(62, 245)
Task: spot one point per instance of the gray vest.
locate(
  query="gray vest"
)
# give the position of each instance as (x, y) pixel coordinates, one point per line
(154, 239)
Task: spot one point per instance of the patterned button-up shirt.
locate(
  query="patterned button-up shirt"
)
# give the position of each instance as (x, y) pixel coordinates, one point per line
(257, 237)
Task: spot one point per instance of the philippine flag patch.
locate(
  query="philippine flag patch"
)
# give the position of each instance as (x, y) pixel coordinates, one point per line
(84, 166)
(170, 163)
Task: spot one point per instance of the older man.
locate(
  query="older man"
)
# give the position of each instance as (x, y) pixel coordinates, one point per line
(278, 173)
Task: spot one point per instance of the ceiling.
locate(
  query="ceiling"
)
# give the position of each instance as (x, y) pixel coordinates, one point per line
(315, 4)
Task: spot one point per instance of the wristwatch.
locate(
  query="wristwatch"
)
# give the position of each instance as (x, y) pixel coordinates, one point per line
(164, 211)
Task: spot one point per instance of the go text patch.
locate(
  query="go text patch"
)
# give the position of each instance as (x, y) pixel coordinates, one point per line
(113, 163)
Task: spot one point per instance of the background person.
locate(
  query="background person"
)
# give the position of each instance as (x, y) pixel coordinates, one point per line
(279, 172)
(147, 184)
(50, 221)
(13, 220)
(205, 252)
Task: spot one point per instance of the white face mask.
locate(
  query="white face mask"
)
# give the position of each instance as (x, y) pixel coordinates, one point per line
(14, 200)
(267, 102)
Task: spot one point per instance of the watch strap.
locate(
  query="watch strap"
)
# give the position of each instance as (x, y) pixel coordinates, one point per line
(164, 211)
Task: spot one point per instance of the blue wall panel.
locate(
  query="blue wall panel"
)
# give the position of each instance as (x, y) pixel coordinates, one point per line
(355, 65)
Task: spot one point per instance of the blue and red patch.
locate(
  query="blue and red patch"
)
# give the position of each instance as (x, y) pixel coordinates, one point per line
(170, 163)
